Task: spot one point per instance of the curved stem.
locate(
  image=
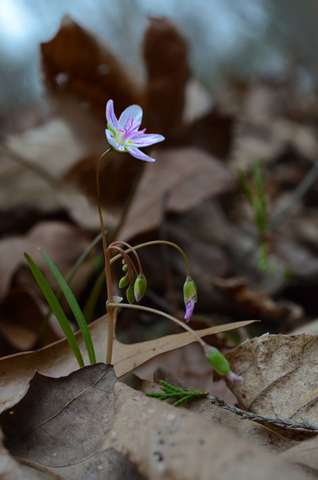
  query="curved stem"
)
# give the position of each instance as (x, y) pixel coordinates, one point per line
(128, 260)
(132, 249)
(110, 306)
(158, 242)
(163, 314)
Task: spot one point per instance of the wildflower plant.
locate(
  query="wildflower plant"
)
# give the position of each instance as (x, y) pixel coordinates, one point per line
(124, 136)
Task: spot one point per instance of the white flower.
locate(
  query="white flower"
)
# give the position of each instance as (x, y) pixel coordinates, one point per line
(123, 135)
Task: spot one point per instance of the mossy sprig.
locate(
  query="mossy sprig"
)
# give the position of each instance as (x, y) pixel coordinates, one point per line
(170, 391)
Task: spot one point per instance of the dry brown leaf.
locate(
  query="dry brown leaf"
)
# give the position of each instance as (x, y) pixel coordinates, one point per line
(188, 175)
(21, 320)
(304, 453)
(58, 359)
(165, 54)
(86, 70)
(62, 242)
(280, 376)
(165, 442)
(257, 303)
(60, 423)
(81, 425)
(258, 434)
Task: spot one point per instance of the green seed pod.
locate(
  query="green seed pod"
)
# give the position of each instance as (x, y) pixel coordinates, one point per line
(219, 362)
(123, 282)
(130, 294)
(189, 290)
(140, 287)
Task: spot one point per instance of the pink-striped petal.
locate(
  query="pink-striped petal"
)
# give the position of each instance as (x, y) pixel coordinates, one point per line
(146, 139)
(111, 140)
(110, 115)
(135, 152)
(130, 118)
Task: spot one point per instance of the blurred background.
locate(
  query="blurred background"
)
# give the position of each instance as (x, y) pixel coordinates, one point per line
(230, 84)
(226, 38)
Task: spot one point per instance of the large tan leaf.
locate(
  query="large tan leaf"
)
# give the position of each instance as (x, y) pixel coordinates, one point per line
(60, 423)
(188, 175)
(280, 376)
(57, 359)
(83, 426)
(165, 442)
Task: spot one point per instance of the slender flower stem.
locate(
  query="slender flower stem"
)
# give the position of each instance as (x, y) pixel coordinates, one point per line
(132, 249)
(163, 314)
(128, 260)
(109, 286)
(158, 242)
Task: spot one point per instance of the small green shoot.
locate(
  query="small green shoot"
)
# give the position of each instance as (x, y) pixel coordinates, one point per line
(56, 309)
(170, 391)
(254, 191)
(77, 312)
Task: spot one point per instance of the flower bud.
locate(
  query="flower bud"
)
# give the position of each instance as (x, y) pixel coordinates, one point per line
(140, 287)
(190, 297)
(124, 267)
(130, 294)
(123, 282)
(217, 360)
(189, 290)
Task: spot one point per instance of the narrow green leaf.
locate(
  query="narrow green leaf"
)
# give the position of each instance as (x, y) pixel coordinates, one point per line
(74, 307)
(56, 309)
(246, 186)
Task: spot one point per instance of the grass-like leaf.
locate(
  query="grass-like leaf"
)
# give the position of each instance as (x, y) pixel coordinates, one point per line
(74, 307)
(56, 309)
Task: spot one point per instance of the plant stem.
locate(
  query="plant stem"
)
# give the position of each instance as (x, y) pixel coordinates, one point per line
(109, 286)
(163, 314)
(158, 242)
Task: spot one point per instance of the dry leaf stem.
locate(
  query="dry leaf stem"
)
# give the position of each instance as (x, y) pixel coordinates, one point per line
(277, 421)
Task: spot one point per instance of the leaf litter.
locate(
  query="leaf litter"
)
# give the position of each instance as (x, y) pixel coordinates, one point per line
(94, 425)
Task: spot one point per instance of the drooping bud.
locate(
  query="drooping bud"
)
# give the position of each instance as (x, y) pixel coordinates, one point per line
(140, 287)
(190, 297)
(130, 294)
(123, 282)
(217, 360)
(220, 364)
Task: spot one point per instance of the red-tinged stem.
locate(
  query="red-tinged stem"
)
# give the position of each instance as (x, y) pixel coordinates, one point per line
(109, 286)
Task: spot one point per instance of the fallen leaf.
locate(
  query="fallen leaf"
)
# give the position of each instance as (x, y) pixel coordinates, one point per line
(165, 54)
(166, 442)
(280, 376)
(87, 70)
(58, 359)
(60, 424)
(305, 454)
(21, 319)
(188, 175)
(257, 433)
(257, 302)
(62, 242)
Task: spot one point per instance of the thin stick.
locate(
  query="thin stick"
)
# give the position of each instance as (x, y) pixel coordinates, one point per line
(277, 421)
(162, 314)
